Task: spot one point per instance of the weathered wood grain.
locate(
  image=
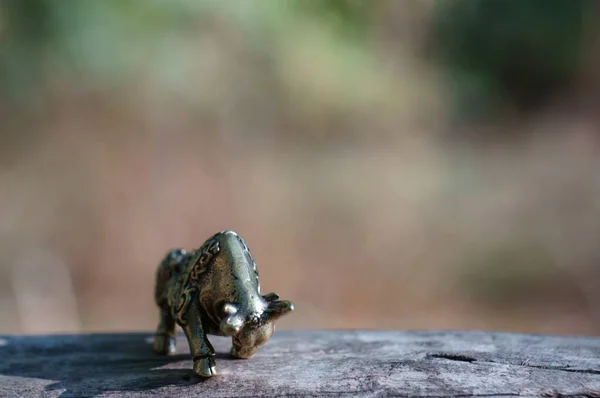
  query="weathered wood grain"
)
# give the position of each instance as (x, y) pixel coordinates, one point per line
(308, 363)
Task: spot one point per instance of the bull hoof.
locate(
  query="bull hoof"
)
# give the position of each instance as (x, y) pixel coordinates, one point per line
(205, 367)
(163, 345)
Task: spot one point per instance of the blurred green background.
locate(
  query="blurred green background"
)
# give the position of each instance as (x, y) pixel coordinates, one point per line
(400, 164)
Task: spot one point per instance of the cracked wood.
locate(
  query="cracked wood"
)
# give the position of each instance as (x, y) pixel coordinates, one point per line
(308, 363)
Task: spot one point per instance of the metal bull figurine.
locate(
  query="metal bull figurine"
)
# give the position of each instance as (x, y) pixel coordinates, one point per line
(214, 290)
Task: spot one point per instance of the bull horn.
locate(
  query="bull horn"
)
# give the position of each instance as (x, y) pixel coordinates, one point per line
(229, 309)
(278, 308)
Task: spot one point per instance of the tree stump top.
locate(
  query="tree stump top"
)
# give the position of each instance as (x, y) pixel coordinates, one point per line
(307, 363)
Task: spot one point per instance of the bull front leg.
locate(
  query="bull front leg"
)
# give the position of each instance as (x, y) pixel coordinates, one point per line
(202, 351)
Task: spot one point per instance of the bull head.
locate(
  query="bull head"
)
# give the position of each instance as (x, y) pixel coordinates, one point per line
(250, 331)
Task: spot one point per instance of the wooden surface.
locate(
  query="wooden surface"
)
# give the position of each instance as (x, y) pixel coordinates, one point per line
(308, 363)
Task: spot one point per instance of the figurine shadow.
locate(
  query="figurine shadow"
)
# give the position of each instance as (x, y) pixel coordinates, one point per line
(84, 369)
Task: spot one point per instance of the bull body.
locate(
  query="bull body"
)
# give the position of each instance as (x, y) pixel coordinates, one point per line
(214, 290)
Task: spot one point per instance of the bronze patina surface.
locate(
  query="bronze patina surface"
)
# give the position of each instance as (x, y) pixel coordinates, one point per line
(214, 290)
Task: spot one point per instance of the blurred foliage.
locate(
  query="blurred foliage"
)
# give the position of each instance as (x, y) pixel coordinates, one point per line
(106, 40)
(494, 52)
(347, 17)
(507, 53)
(206, 54)
(110, 39)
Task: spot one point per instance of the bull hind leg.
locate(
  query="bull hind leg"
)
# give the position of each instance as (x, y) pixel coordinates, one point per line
(164, 339)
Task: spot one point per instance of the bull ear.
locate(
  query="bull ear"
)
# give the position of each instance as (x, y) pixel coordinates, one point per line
(278, 308)
(271, 297)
